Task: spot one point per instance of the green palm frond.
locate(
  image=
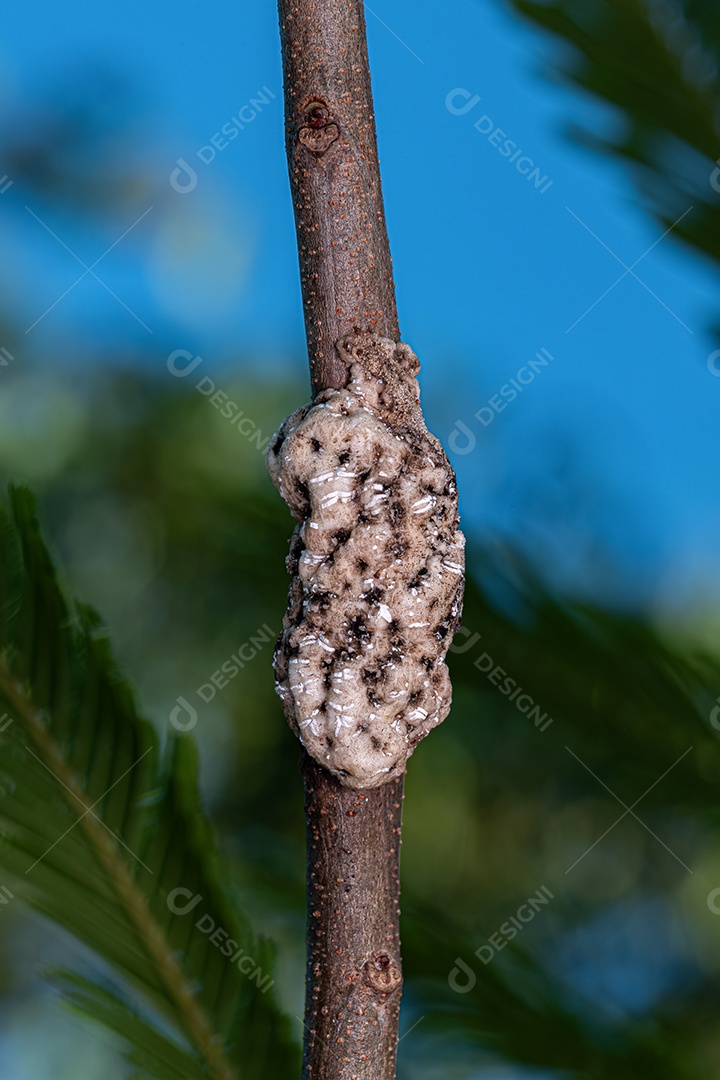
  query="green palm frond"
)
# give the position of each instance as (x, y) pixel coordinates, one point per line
(656, 65)
(617, 687)
(106, 836)
(148, 1048)
(514, 1008)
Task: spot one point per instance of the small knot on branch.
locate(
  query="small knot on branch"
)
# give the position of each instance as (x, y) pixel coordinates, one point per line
(320, 130)
(383, 974)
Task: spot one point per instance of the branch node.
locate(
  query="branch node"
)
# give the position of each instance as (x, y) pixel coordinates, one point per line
(383, 974)
(320, 130)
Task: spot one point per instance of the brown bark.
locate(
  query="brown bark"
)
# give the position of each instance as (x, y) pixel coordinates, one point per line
(345, 264)
(354, 978)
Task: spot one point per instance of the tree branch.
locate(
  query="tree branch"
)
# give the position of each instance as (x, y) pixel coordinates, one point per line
(345, 265)
(354, 977)
(353, 972)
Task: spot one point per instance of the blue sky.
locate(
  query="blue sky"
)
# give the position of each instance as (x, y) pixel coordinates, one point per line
(609, 449)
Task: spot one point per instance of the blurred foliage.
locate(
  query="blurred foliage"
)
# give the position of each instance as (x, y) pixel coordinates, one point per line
(71, 738)
(162, 511)
(163, 517)
(655, 63)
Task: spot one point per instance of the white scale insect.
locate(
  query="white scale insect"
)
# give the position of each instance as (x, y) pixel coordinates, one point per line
(341, 720)
(418, 714)
(334, 497)
(423, 505)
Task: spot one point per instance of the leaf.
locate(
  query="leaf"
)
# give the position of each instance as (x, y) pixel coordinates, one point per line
(594, 671)
(99, 832)
(656, 65)
(150, 1050)
(515, 1008)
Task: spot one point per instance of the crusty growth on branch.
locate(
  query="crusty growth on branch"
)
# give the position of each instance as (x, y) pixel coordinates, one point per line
(354, 976)
(377, 566)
